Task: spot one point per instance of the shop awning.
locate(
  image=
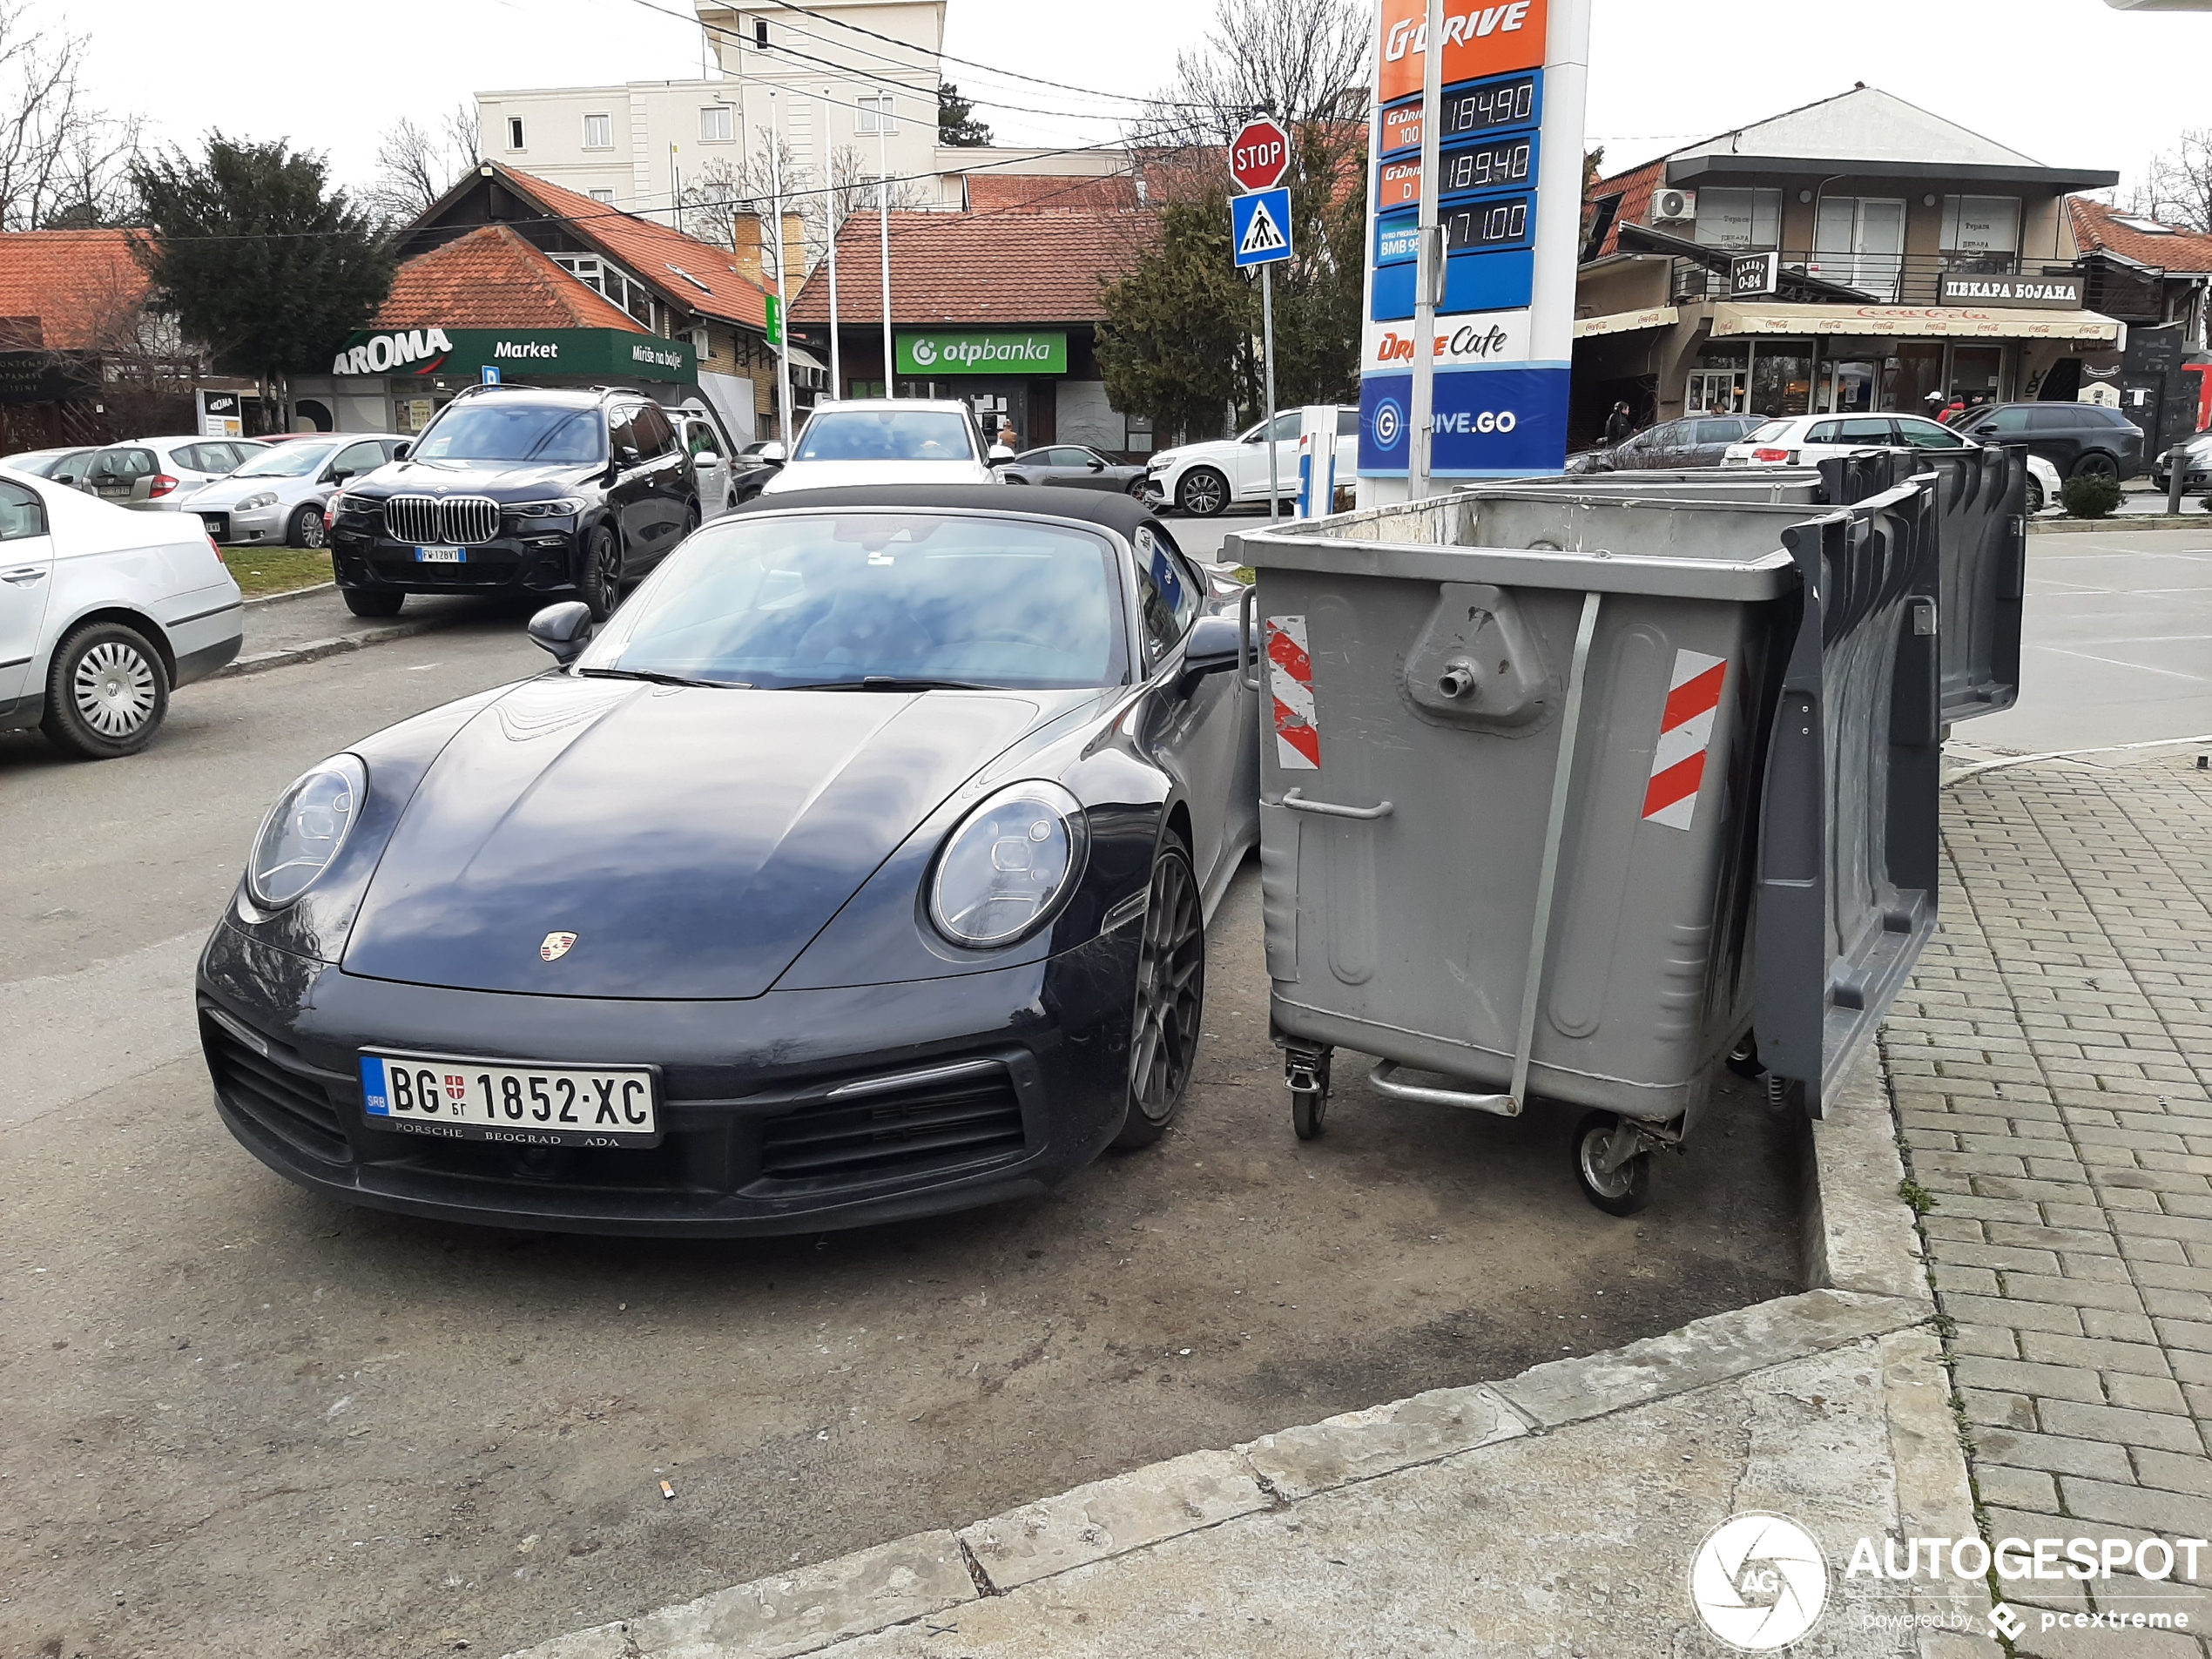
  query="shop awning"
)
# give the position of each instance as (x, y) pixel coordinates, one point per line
(804, 359)
(1626, 322)
(1916, 322)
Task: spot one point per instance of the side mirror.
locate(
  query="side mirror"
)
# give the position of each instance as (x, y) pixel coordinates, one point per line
(1211, 650)
(773, 454)
(625, 455)
(340, 475)
(1000, 458)
(402, 451)
(1096, 464)
(564, 629)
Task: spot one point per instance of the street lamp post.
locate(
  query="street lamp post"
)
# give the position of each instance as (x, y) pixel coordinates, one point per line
(783, 287)
(883, 228)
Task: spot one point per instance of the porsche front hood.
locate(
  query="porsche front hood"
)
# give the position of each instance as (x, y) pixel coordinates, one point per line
(693, 841)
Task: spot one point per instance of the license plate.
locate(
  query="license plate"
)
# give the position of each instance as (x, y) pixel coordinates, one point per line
(526, 1105)
(440, 556)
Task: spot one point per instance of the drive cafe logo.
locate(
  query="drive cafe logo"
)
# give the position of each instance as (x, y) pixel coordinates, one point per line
(1498, 337)
(1479, 40)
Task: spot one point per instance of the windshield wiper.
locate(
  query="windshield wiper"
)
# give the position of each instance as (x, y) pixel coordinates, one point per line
(892, 682)
(659, 679)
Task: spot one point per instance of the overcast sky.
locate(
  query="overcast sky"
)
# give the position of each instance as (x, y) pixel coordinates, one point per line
(2068, 82)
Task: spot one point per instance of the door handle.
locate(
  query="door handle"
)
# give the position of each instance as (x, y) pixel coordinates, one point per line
(27, 574)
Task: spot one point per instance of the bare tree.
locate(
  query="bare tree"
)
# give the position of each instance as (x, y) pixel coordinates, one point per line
(63, 161)
(2177, 189)
(722, 190)
(1301, 61)
(416, 166)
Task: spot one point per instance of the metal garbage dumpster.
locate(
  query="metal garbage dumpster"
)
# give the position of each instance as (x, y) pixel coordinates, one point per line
(1981, 505)
(1565, 793)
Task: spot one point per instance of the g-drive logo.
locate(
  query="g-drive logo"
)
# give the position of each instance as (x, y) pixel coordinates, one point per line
(1390, 424)
(1474, 23)
(1482, 421)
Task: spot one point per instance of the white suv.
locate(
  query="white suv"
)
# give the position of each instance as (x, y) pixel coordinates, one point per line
(1808, 440)
(885, 440)
(1204, 479)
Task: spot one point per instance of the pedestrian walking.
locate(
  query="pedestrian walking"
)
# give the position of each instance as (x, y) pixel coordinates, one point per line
(1620, 427)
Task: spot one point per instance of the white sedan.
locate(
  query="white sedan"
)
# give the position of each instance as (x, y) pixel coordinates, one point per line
(1808, 440)
(103, 612)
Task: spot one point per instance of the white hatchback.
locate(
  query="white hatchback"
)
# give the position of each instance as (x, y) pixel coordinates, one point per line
(1808, 440)
(885, 440)
(103, 611)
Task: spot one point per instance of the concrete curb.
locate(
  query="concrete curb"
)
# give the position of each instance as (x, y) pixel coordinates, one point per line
(291, 593)
(338, 645)
(2119, 523)
(1869, 1289)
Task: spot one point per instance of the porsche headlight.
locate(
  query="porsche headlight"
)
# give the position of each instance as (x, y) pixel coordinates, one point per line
(302, 834)
(259, 498)
(1009, 866)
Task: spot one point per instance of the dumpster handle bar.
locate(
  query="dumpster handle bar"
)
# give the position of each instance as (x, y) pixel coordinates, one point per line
(1245, 674)
(1383, 1080)
(1297, 802)
(1555, 831)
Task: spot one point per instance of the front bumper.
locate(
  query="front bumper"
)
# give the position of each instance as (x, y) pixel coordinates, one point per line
(753, 1144)
(262, 527)
(537, 561)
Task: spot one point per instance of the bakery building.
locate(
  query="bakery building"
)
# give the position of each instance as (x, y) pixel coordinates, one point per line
(1858, 254)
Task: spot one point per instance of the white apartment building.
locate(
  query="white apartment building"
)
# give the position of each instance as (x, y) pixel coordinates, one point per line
(845, 76)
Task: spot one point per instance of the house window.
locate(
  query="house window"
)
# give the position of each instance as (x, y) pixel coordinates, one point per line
(513, 132)
(605, 197)
(1859, 242)
(760, 33)
(609, 280)
(598, 132)
(1981, 232)
(1747, 222)
(875, 115)
(715, 124)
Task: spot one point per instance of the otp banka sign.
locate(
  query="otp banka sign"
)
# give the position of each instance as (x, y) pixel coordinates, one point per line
(1502, 351)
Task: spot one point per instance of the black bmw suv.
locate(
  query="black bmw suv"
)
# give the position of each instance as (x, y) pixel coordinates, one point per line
(518, 489)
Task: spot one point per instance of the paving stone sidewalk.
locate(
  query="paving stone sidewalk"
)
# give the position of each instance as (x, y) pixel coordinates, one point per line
(2051, 1066)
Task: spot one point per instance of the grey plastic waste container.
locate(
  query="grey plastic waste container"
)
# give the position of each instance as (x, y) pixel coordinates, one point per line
(1564, 792)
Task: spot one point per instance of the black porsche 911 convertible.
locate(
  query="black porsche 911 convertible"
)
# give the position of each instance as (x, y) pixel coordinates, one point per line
(858, 868)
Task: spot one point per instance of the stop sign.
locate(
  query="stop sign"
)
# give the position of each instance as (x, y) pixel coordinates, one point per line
(1260, 155)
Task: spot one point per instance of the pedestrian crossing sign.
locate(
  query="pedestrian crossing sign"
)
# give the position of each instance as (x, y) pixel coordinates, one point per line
(1260, 227)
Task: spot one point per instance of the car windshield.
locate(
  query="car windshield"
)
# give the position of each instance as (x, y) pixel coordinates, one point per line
(1770, 432)
(899, 599)
(513, 432)
(287, 460)
(886, 435)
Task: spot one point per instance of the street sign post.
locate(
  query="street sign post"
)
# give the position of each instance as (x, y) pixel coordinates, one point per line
(1260, 154)
(1259, 224)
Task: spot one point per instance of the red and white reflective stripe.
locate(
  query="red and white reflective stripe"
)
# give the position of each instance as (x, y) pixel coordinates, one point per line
(1290, 682)
(1685, 736)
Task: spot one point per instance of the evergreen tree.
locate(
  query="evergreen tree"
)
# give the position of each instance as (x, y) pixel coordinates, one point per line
(956, 123)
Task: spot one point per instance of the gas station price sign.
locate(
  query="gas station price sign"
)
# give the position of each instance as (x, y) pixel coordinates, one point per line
(1494, 107)
(1487, 226)
(1488, 166)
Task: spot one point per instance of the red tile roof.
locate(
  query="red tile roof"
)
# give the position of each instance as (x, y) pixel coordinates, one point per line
(1633, 187)
(979, 269)
(493, 279)
(998, 192)
(697, 275)
(2097, 229)
(83, 287)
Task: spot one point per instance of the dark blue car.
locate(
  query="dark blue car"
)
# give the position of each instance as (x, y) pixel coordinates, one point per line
(857, 867)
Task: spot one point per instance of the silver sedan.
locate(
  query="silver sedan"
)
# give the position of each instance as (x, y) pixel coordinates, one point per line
(277, 498)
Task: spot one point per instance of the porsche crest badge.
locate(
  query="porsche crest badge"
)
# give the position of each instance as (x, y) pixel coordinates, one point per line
(556, 946)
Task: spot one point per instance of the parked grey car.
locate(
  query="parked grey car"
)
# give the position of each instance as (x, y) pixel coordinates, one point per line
(277, 498)
(63, 466)
(157, 475)
(1694, 441)
(1073, 466)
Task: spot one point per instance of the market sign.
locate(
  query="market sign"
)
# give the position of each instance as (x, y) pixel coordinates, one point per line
(1039, 350)
(519, 354)
(2044, 292)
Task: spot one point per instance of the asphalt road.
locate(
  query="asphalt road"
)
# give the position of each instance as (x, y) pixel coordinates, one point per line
(239, 1418)
(2117, 642)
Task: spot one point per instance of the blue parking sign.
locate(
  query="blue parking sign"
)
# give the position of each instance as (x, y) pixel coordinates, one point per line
(1260, 227)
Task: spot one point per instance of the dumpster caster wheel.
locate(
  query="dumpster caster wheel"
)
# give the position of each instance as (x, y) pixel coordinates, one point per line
(1309, 1110)
(1306, 1071)
(1744, 1058)
(1784, 1095)
(1620, 1186)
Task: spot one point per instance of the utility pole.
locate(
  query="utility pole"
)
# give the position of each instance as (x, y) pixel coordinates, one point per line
(835, 199)
(883, 228)
(783, 288)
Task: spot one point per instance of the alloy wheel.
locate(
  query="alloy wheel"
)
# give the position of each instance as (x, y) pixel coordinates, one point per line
(308, 530)
(113, 689)
(1204, 494)
(1170, 991)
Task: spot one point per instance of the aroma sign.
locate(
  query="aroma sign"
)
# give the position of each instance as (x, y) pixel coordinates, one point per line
(381, 354)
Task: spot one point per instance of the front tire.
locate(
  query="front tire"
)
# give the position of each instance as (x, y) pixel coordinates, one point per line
(2035, 502)
(372, 601)
(1171, 997)
(106, 692)
(2095, 464)
(600, 580)
(1204, 493)
(308, 530)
